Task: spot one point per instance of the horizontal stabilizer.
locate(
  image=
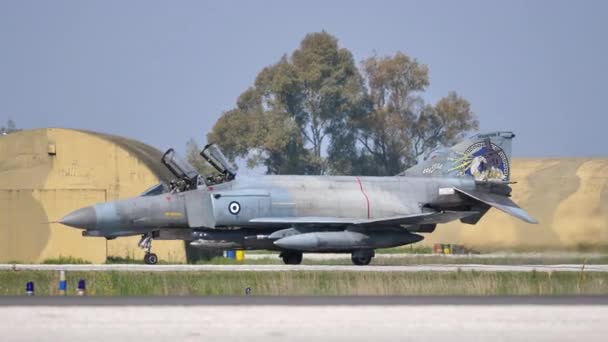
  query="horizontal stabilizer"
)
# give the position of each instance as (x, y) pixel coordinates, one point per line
(499, 202)
(422, 218)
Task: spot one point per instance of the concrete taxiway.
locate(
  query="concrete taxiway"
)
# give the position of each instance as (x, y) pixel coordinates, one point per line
(309, 318)
(304, 268)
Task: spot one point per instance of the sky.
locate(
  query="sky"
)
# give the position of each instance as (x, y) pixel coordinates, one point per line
(163, 71)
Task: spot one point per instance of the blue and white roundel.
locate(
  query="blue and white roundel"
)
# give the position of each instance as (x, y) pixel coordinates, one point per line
(234, 207)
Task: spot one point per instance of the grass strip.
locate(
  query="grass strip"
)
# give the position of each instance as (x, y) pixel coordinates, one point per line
(114, 283)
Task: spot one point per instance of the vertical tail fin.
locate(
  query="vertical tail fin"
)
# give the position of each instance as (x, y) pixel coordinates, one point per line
(485, 157)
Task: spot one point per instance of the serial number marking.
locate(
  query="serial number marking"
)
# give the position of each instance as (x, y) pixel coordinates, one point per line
(433, 168)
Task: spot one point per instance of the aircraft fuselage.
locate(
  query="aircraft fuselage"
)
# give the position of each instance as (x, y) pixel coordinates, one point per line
(236, 203)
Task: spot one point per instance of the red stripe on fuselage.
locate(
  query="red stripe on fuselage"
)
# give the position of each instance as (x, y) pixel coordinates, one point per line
(365, 195)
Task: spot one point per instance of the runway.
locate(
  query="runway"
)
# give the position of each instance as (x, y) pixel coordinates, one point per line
(305, 268)
(310, 318)
(60, 301)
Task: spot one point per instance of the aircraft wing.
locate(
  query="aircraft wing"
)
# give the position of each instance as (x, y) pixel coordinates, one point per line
(422, 218)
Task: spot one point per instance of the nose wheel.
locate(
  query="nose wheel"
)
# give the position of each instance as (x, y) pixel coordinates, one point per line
(146, 244)
(150, 259)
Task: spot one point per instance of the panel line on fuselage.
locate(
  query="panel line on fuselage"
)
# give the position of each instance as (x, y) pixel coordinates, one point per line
(364, 195)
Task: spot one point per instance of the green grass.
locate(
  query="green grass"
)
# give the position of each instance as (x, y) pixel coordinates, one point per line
(311, 283)
(65, 260)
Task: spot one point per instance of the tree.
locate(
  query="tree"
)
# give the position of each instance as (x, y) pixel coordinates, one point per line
(10, 127)
(444, 124)
(194, 158)
(295, 108)
(315, 112)
(400, 127)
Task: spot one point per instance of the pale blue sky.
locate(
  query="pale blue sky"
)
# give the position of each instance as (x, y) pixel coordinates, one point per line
(163, 71)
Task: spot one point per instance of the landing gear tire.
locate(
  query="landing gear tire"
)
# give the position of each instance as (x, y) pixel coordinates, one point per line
(362, 258)
(146, 244)
(150, 259)
(291, 258)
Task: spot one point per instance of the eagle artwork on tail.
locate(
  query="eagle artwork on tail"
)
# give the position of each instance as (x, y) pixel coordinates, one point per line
(484, 161)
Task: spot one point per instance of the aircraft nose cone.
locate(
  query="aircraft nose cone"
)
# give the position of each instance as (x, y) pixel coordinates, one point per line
(82, 218)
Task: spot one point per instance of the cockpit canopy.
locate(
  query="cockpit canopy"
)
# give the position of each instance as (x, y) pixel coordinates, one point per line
(214, 156)
(186, 176)
(184, 173)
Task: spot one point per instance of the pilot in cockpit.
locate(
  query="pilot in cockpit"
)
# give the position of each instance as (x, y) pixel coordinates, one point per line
(217, 178)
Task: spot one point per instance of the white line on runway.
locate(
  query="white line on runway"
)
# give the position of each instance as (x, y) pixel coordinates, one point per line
(301, 268)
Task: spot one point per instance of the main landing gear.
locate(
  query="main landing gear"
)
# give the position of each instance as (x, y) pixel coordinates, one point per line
(291, 258)
(363, 256)
(359, 257)
(146, 244)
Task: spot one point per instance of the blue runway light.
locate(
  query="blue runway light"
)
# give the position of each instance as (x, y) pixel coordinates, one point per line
(82, 287)
(29, 288)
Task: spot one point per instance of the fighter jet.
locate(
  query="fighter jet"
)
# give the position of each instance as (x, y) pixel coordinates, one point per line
(300, 214)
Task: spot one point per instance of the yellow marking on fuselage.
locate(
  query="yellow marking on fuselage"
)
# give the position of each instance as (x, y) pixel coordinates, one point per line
(173, 214)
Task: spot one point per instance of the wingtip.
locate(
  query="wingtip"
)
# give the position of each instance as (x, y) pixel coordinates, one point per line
(524, 216)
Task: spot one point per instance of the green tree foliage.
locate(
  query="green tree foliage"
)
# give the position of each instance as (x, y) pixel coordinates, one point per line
(296, 107)
(193, 158)
(401, 127)
(315, 112)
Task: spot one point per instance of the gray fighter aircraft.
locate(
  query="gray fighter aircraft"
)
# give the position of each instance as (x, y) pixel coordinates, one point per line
(298, 214)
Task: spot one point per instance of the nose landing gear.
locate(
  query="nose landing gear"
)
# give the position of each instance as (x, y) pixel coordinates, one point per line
(150, 259)
(146, 244)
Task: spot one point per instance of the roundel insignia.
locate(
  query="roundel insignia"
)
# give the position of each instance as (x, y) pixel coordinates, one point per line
(234, 207)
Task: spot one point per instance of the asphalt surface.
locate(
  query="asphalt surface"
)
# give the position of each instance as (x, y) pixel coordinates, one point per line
(308, 319)
(328, 268)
